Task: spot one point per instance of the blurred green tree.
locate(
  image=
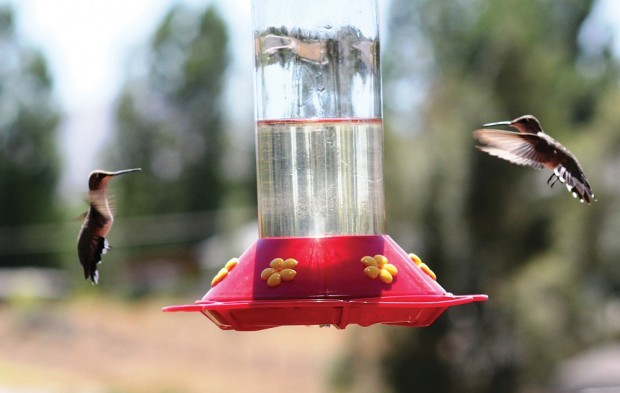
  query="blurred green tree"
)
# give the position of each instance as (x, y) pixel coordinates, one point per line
(487, 226)
(29, 157)
(170, 121)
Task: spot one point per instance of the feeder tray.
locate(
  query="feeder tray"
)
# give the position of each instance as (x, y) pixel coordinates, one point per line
(328, 282)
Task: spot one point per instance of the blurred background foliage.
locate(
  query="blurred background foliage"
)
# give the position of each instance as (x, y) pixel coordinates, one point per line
(487, 226)
(170, 122)
(29, 157)
(549, 264)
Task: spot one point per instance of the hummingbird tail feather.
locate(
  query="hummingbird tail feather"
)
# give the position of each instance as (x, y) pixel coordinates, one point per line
(106, 247)
(575, 184)
(101, 246)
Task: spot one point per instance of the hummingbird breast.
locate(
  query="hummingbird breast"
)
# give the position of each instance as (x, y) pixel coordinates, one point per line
(92, 241)
(99, 222)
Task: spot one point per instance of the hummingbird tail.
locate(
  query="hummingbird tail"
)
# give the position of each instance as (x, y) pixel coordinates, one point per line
(576, 184)
(98, 246)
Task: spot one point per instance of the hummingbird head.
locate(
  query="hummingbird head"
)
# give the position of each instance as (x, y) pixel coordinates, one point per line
(526, 124)
(98, 179)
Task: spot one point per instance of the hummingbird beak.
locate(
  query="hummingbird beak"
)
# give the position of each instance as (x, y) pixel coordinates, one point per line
(498, 123)
(125, 171)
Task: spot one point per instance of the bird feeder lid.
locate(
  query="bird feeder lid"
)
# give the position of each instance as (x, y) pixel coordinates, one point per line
(335, 280)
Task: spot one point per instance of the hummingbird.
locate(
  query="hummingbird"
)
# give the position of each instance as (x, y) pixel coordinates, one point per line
(92, 240)
(533, 147)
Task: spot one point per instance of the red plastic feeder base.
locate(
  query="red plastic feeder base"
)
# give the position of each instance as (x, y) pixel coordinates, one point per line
(324, 281)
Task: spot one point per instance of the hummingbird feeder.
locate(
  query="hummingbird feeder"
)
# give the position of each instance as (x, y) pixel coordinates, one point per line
(323, 256)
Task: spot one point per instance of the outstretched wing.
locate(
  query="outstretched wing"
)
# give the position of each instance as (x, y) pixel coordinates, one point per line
(518, 148)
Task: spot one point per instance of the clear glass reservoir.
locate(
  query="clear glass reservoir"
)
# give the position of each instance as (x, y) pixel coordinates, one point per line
(319, 118)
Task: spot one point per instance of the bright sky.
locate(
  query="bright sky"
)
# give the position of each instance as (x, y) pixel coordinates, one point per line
(88, 44)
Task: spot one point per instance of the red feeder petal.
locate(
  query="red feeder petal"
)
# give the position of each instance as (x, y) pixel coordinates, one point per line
(329, 287)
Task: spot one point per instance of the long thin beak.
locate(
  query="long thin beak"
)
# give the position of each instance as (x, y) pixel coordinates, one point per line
(125, 171)
(498, 123)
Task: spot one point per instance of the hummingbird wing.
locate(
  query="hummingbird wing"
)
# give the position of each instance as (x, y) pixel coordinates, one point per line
(518, 148)
(102, 202)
